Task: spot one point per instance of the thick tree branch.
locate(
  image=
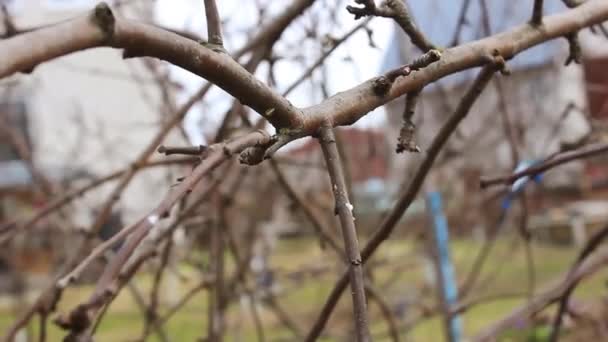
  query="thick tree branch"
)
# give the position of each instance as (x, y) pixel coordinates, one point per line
(349, 106)
(27, 50)
(102, 28)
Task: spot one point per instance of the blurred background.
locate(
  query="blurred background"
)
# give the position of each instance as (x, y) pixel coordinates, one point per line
(79, 121)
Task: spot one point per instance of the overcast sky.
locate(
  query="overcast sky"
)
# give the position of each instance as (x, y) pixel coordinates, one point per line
(352, 63)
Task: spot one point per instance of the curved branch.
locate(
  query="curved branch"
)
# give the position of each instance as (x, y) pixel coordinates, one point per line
(101, 28)
(347, 107)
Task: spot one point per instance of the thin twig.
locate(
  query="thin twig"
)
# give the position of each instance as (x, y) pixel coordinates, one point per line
(397, 10)
(335, 43)
(215, 326)
(214, 24)
(561, 158)
(537, 13)
(462, 18)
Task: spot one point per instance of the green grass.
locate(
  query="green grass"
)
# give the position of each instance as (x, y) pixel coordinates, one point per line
(304, 298)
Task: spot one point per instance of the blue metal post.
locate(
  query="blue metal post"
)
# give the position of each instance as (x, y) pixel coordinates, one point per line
(445, 270)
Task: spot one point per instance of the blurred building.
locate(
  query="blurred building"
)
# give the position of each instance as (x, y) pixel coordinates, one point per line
(543, 106)
(83, 115)
(90, 111)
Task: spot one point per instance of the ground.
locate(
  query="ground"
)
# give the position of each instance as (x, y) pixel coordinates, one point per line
(399, 273)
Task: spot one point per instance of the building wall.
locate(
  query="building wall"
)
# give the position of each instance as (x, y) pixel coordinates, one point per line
(91, 111)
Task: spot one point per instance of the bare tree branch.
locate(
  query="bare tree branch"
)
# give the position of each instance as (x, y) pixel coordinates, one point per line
(397, 10)
(344, 210)
(214, 23)
(30, 49)
(404, 201)
(537, 13)
(561, 158)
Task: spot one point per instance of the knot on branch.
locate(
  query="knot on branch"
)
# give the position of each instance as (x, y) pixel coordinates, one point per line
(369, 8)
(76, 322)
(256, 154)
(104, 18)
(219, 48)
(426, 59)
(252, 155)
(398, 11)
(498, 63)
(382, 84)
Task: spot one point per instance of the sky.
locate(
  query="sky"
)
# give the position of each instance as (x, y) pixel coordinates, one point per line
(352, 63)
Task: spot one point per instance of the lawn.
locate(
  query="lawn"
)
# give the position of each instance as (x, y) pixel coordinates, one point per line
(400, 274)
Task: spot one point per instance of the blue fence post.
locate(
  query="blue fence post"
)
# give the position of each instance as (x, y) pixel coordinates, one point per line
(443, 264)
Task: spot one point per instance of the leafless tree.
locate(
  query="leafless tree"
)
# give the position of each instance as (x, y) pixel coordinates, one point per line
(210, 203)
